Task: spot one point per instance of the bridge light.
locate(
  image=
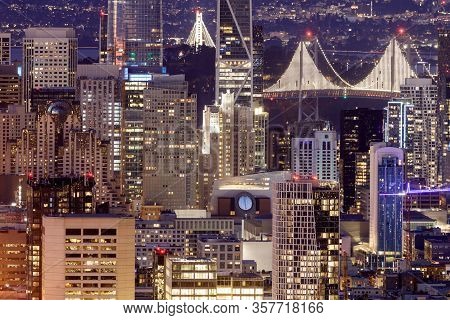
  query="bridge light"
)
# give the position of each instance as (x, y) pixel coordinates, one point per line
(401, 31)
(309, 34)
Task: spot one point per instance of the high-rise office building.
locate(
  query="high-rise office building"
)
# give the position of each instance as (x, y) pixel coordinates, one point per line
(258, 64)
(134, 83)
(305, 230)
(98, 91)
(443, 62)
(49, 60)
(9, 85)
(228, 143)
(362, 183)
(115, 32)
(317, 156)
(170, 144)
(14, 119)
(237, 147)
(386, 203)
(359, 128)
(234, 51)
(88, 257)
(103, 37)
(444, 103)
(261, 126)
(279, 149)
(5, 48)
(412, 124)
(51, 196)
(135, 32)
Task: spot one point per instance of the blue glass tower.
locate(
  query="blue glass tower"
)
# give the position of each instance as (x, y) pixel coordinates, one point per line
(386, 208)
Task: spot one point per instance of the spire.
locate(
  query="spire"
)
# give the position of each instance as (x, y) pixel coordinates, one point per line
(199, 34)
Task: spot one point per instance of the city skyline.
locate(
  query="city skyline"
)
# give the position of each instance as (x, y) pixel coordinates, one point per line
(270, 160)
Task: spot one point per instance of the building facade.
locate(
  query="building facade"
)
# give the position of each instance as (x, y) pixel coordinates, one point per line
(103, 37)
(170, 144)
(305, 230)
(412, 124)
(13, 262)
(88, 257)
(99, 94)
(234, 51)
(386, 203)
(444, 103)
(135, 32)
(317, 156)
(49, 60)
(5, 48)
(9, 85)
(359, 128)
(14, 120)
(52, 196)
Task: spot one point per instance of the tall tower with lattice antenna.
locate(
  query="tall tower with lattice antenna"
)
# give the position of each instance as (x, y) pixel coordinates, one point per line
(199, 35)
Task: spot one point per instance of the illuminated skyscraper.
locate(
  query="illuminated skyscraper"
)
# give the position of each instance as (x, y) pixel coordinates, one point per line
(444, 103)
(115, 32)
(49, 60)
(234, 51)
(261, 126)
(359, 128)
(305, 230)
(235, 143)
(5, 48)
(133, 86)
(98, 91)
(170, 144)
(103, 37)
(228, 143)
(386, 203)
(412, 125)
(135, 32)
(258, 64)
(9, 85)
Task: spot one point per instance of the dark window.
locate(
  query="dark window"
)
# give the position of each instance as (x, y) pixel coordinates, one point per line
(90, 232)
(73, 232)
(109, 232)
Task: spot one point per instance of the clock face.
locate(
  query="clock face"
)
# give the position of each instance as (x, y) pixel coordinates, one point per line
(245, 203)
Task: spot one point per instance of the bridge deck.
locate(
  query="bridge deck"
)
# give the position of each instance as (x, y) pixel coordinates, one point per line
(333, 93)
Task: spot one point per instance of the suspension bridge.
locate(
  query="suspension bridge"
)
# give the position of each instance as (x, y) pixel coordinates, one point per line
(304, 76)
(304, 80)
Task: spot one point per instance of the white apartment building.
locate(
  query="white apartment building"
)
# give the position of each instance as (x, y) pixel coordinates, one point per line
(316, 156)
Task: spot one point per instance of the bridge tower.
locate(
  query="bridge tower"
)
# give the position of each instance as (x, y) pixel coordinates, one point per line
(199, 35)
(308, 112)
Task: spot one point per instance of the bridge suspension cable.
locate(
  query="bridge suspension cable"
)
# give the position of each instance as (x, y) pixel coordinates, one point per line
(331, 66)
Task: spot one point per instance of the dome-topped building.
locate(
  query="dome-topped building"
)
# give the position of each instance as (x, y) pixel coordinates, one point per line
(59, 110)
